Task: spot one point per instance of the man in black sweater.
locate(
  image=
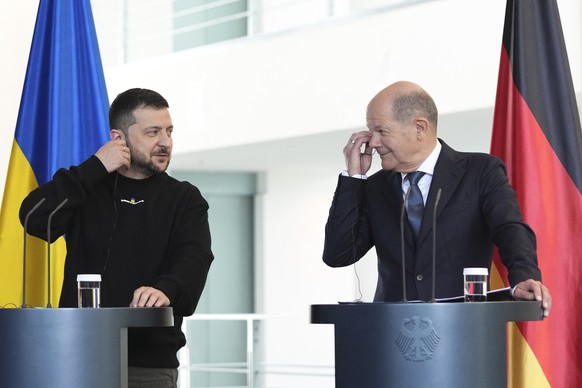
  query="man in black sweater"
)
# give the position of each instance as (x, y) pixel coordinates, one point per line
(146, 233)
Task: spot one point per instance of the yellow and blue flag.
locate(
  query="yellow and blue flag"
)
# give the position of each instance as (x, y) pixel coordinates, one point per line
(62, 121)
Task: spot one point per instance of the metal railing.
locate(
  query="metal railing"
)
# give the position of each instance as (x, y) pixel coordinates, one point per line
(130, 30)
(246, 366)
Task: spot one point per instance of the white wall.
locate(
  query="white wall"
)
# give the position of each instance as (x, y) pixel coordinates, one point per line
(284, 105)
(320, 79)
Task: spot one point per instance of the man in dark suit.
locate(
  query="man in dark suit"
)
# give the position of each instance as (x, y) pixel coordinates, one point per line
(477, 209)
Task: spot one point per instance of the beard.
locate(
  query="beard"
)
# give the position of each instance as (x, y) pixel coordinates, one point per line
(141, 163)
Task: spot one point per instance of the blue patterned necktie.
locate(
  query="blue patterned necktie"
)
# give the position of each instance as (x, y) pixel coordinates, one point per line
(415, 205)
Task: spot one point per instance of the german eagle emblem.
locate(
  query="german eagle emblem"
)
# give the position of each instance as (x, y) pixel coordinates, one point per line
(417, 340)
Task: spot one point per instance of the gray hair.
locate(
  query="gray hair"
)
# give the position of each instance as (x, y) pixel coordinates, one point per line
(411, 105)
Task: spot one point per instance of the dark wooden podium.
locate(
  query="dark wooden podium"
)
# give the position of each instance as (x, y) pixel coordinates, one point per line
(70, 347)
(405, 345)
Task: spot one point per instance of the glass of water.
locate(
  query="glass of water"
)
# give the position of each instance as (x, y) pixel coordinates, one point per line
(475, 284)
(89, 290)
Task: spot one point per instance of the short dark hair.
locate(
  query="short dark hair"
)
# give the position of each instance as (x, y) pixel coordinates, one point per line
(121, 109)
(410, 105)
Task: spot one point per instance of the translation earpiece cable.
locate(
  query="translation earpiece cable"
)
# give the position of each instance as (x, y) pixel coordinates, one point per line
(114, 224)
(359, 299)
(354, 259)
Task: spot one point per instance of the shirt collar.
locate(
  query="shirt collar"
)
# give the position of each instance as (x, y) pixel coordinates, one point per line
(429, 163)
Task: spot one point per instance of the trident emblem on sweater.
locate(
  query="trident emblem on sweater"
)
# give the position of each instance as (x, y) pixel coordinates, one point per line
(417, 340)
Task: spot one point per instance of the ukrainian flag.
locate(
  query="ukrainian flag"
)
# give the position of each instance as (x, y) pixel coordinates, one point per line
(62, 121)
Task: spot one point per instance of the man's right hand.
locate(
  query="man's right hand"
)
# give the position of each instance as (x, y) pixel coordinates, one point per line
(114, 154)
(358, 161)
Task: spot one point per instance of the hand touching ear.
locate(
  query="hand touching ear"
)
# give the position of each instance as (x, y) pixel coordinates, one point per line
(114, 154)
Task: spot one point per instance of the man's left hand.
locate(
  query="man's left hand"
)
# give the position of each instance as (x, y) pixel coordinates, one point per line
(534, 290)
(149, 297)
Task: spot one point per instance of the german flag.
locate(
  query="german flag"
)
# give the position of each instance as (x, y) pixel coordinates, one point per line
(62, 121)
(536, 131)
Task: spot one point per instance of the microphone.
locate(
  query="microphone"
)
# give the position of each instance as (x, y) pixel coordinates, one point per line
(48, 246)
(402, 243)
(436, 204)
(24, 251)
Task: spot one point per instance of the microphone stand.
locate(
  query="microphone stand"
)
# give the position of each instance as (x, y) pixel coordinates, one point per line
(48, 245)
(436, 204)
(24, 251)
(404, 203)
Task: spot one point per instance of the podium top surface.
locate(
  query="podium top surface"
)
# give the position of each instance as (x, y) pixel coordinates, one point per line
(118, 316)
(507, 311)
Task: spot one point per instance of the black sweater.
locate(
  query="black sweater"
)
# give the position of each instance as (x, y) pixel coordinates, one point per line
(150, 232)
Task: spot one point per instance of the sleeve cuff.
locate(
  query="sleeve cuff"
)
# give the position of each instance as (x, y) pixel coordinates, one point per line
(357, 176)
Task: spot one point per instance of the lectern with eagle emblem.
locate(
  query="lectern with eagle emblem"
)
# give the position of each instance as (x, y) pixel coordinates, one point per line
(422, 344)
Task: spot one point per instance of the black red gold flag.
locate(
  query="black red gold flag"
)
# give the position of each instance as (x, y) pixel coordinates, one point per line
(537, 132)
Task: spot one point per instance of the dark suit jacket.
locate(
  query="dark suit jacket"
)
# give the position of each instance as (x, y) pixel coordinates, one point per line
(477, 210)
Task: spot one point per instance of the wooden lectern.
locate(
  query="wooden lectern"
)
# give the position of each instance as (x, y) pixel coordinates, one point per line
(70, 347)
(405, 345)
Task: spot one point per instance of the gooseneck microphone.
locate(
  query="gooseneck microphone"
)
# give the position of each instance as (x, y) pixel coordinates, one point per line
(24, 250)
(48, 248)
(404, 203)
(436, 205)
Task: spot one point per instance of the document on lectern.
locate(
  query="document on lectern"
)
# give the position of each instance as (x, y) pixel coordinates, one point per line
(497, 295)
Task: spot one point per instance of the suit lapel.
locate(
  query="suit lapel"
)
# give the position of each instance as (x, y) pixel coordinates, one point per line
(393, 189)
(391, 193)
(449, 170)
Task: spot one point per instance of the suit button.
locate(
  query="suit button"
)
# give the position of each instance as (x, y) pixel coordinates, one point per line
(419, 278)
